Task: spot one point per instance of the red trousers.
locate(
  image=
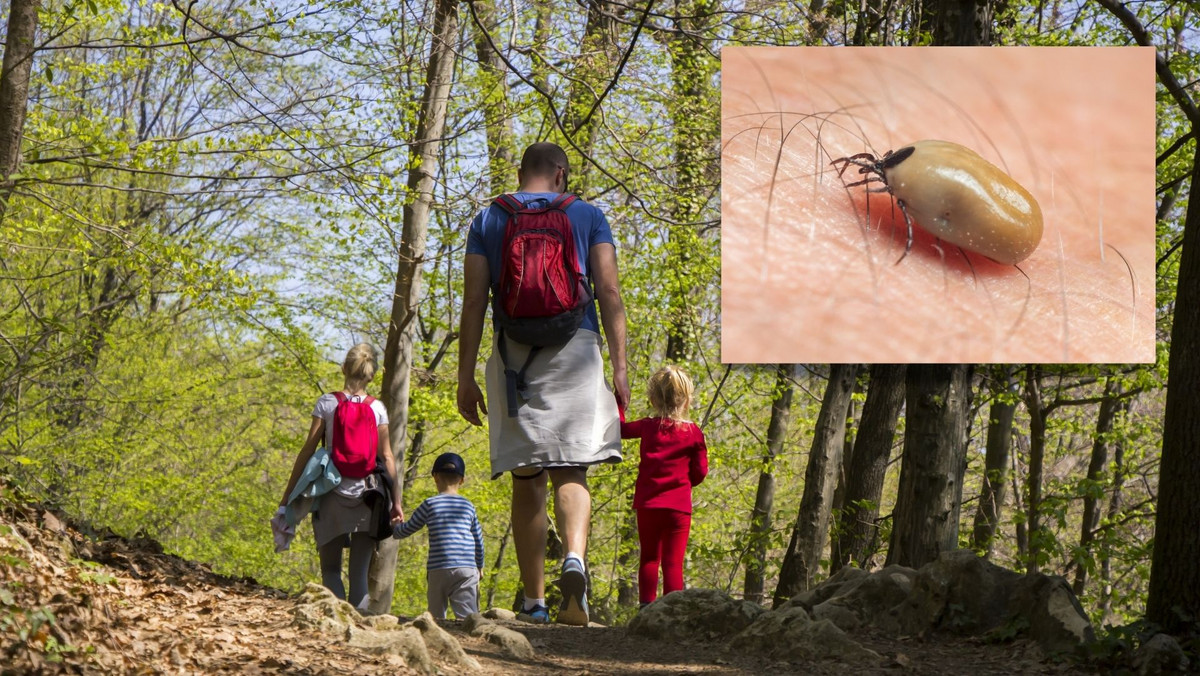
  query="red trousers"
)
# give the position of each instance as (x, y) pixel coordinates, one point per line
(663, 534)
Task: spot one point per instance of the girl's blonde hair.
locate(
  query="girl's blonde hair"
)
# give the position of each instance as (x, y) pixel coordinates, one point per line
(361, 362)
(670, 392)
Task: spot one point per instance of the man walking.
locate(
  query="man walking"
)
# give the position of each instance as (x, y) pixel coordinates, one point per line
(558, 417)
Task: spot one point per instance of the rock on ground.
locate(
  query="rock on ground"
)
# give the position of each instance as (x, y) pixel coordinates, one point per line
(853, 598)
(513, 643)
(839, 582)
(694, 614)
(1162, 654)
(417, 642)
(317, 608)
(499, 614)
(967, 595)
(441, 643)
(789, 633)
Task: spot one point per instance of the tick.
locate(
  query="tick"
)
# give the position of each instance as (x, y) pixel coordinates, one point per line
(955, 195)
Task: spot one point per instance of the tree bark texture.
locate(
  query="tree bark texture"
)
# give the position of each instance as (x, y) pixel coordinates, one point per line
(999, 446)
(1037, 460)
(839, 493)
(1022, 535)
(1114, 509)
(14, 85)
(859, 530)
(431, 125)
(398, 355)
(803, 559)
(695, 139)
(1109, 407)
(494, 101)
(930, 495)
(764, 497)
(1175, 566)
(959, 23)
(593, 67)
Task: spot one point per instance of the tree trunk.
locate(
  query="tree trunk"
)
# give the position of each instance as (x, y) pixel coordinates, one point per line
(869, 20)
(495, 576)
(963, 23)
(1174, 600)
(14, 89)
(1099, 460)
(597, 53)
(1037, 458)
(1114, 509)
(843, 477)
(539, 64)
(398, 355)
(1018, 503)
(494, 101)
(930, 495)
(999, 445)
(695, 138)
(803, 558)
(764, 497)
(14, 103)
(872, 451)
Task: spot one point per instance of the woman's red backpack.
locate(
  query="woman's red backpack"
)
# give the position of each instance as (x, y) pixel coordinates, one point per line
(355, 436)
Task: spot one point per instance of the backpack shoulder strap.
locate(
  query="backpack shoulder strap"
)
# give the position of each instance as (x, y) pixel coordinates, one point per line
(368, 400)
(340, 396)
(509, 203)
(563, 201)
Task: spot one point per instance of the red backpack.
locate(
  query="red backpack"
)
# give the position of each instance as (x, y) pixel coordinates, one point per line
(355, 436)
(541, 296)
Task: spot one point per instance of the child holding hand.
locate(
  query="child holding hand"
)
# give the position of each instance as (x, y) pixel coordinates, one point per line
(455, 561)
(673, 460)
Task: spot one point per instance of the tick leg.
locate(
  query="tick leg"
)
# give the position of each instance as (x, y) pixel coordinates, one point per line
(856, 160)
(872, 179)
(851, 158)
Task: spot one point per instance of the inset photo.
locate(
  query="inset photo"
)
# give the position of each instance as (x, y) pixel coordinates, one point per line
(937, 205)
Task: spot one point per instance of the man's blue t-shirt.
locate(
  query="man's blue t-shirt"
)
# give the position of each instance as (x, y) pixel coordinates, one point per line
(588, 224)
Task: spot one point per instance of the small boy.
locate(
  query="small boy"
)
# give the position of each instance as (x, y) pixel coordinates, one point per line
(455, 561)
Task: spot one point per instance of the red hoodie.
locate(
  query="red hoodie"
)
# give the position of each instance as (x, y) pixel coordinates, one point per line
(674, 458)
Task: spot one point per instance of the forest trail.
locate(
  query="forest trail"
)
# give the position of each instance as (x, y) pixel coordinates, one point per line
(72, 603)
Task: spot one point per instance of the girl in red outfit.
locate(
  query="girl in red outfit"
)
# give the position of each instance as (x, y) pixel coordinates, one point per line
(674, 459)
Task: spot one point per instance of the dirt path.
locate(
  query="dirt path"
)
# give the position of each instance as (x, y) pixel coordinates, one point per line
(612, 650)
(71, 604)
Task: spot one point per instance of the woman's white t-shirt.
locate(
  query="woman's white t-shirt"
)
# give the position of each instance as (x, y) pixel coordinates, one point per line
(325, 408)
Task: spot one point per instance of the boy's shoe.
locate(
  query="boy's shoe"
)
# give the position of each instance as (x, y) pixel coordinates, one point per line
(573, 583)
(537, 615)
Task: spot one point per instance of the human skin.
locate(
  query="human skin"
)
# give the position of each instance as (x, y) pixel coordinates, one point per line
(806, 279)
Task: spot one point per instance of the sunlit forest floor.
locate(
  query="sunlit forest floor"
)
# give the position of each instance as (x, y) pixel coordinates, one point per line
(72, 602)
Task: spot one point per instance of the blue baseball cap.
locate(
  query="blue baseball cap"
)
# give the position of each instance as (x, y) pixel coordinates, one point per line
(450, 463)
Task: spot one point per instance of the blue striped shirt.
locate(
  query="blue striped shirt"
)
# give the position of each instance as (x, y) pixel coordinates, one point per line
(455, 536)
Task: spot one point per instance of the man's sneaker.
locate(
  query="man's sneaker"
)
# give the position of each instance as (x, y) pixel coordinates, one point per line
(539, 614)
(573, 583)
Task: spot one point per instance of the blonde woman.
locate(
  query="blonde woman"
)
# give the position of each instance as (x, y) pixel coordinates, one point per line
(673, 460)
(352, 428)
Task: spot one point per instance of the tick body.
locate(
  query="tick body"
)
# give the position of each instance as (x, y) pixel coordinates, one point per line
(956, 195)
